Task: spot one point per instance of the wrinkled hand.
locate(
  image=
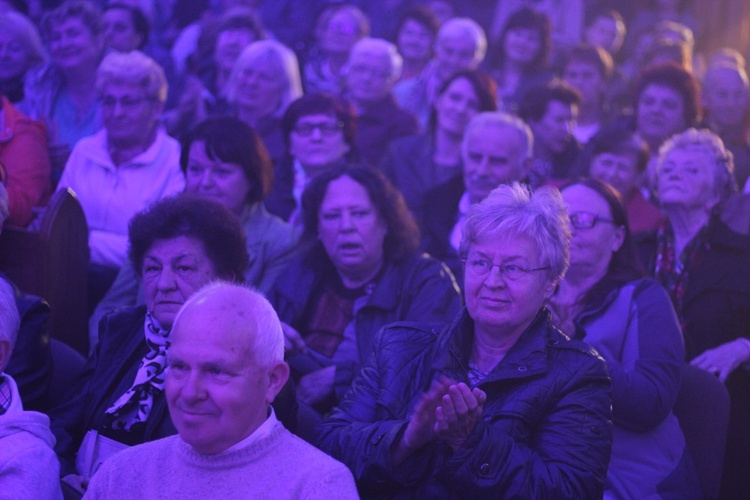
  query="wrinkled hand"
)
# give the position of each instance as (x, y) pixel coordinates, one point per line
(293, 342)
(459, 412)
(421, 427)
(316, 386)
(724, 359)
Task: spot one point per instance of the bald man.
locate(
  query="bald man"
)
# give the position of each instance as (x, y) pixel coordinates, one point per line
(225, 367)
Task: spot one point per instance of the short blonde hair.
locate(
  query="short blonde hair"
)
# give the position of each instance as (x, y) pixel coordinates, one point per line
(513, 209)
(134, 68)
(20, 27)
(283, 60)
(723, 162)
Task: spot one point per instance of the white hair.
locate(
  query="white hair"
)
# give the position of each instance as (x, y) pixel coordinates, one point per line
(10, 320)
(377, 47)
(135, 68)
(498, 119)
(268, 341)
(468, 28)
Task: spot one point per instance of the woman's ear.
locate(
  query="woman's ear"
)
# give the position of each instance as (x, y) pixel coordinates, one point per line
(618, 239)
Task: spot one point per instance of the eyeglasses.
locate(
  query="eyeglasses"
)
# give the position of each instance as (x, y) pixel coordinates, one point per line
(326, 129)
(110, 102)
(585, 220)
(513, 272)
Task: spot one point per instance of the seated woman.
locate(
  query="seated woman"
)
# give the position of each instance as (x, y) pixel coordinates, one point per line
(606, 301)
(126, 27)
(417, 163)
(124, 167)
(61, 93)
(25, 53)
(319, 130)
(264, 81)
(703, 265)
(499, 404)
(223, 159)
(360, 271)
(176, 246)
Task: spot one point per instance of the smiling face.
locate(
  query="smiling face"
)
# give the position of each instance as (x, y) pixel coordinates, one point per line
(72, 45)
(492, 155)
(500, 307)
(259, 86)
(351, 229)
(173, 270)
(456, 106)
(216, 391)
(317, 141)
(522, 45)
(591, 248)
(229, 45)
(685, 179)
(454, 54)
(129, 115)
(660, 113)
(216, 179)
(414, 41)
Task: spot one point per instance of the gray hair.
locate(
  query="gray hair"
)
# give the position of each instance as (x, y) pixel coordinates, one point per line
(22, 29)
(10, 320)
(723, 162)
(268, 341)
(709, 78)
(134, 68)
(378, 47)
(499, 119)
(513, 209)
(281, 58)
(465, 27)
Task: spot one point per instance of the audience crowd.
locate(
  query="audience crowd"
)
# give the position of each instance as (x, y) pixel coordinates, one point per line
(405, 248)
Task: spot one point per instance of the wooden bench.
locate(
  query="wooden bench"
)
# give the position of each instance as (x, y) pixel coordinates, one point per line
(52, 262)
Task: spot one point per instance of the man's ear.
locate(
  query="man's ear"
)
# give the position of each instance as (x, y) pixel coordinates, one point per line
(526, 168)
(278, 374)
(5, 352)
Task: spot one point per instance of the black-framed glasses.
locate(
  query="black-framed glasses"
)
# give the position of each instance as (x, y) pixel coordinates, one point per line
(513, 272)
(586, 220)
(326, 129)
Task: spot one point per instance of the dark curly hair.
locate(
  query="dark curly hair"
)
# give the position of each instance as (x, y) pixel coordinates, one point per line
(137, 17)
(535, 102)
(205, 220)
(233, 141)
(402, 239)
(677, 78)
(86, 11)
(526, 18)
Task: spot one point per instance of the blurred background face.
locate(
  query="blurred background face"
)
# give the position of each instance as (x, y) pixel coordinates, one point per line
(72, 44)
(216, 179)
(605, 32)
(686, 179)
(726, 97)
(259, 86)
(350, 227)
(618, 170)
(414, 41)
(369, 76)
(13, 57)
(341, 34)
(456, 106)
(128, 113)
(492, 156)
(317, 141)
(522, 45)
(454, 53)
(119, 31)
(660, 112)
(586, 79)
(229, 45)
(555, 130)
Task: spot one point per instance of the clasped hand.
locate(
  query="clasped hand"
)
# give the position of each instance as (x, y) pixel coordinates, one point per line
(448, 411)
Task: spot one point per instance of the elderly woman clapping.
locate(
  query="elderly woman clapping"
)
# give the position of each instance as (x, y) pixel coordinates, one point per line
(127, 165)
(360, 271)
(703, 264)
(497, 405)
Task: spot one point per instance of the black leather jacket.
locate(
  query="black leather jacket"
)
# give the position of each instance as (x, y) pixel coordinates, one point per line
(545, 432)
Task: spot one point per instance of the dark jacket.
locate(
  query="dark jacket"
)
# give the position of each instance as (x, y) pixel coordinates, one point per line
(378, 124)
(418, 288)
(545, 431)
(441, 215)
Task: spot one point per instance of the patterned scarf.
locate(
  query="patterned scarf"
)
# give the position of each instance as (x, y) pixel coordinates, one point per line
(672, 271)
(6, 396)
(135, 405)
